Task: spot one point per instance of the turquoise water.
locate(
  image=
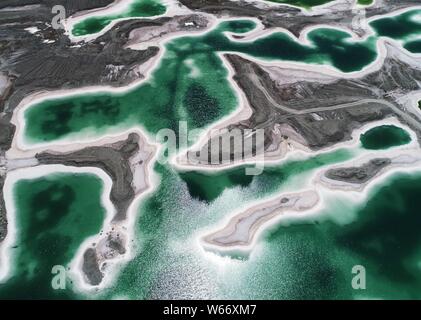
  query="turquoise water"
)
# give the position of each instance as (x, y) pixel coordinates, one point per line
(168, 264)
(405, 27)
(302, 259)
(311, 259)
(191, 80)
(384, 137)
(303, 3)
(55, 214)
(138, 8)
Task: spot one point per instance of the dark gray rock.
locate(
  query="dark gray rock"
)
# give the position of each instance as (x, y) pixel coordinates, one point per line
(113, 159)
(90, 267)
(294, 19)
(3, 217)
(360, 174)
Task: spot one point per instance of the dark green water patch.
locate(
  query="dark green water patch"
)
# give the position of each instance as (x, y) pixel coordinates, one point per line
(237, 26)
(191, 81)
(384, 238)
(384, 137)
(300, 262)
(55, 214)
(200, 105)
(386, 234)
(328, 46)
(139, 8)
(307, 4)
(403, 27)
(209, 186)
(413, 46)
(365, 2)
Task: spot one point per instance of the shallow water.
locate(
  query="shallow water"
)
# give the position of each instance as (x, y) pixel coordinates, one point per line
(405, 28)
(191, 80)
(55, 214)
(365, 2)
(309, 259)
(192, 83)
(138, 8)
(384, 137)
(303, 3)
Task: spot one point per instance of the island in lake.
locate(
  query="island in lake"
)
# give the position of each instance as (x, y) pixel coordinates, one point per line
(232, 149)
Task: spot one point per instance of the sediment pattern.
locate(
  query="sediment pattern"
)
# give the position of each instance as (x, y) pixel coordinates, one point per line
(122, 161)
(319, 114)
(297, 108)
(113, 159)
(242, 228)
(360, 174)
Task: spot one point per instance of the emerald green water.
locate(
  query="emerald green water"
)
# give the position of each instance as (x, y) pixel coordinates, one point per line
(301, 259)
(168, 264)
(303, 3)
(405, 27)
(310, 259)
(138, 8)
(191, 81)
(386, 238)
(209, 186)
(55, 214)
(314, 259)
(384, 137)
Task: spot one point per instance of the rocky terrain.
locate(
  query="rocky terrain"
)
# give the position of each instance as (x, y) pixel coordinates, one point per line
(114, 159)
(122, 161)
(319, 114)
(44, 59)
(309, 110)
(341, 13)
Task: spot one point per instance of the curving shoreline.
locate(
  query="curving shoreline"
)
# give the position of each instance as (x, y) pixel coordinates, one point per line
(95, 265)
(171, 11)
(38, 98)
(6, 254)
(122, 193)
